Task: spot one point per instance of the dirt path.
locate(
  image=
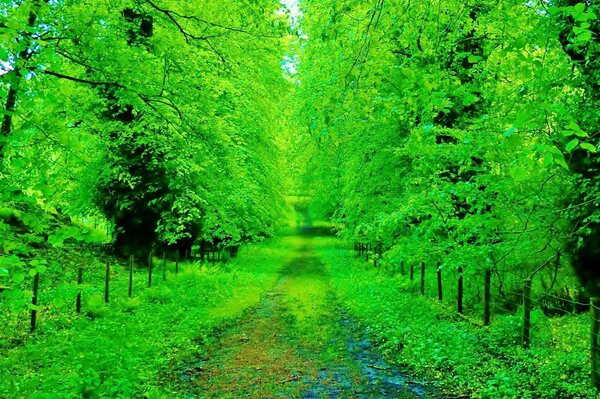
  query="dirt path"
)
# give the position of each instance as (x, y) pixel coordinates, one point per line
(297, 343)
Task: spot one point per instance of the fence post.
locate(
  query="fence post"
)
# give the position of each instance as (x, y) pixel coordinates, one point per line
(487, 297)
(150, 264)
(34, 300)
(439, 281)
(177, 262)
(412, 272)
(106, 279)
(130, 290)
(595, 348)
(402, 267)
(164, 265)
(423, 277)
(460, 290)
(527, 313)
(378, 252)
(78, 297)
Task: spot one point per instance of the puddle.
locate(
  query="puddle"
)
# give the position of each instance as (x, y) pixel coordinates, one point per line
(380, 379)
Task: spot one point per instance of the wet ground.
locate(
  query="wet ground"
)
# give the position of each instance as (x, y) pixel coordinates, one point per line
(297, 343)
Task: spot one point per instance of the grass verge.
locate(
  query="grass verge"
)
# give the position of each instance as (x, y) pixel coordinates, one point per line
(120, 350)
(468, 360)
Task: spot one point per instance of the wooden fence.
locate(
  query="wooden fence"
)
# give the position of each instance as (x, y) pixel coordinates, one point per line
(203, 257)
(373, 255)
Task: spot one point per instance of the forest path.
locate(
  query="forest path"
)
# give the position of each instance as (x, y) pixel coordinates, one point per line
(297, 343)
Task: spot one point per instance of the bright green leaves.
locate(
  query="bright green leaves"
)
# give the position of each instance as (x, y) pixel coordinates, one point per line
(588, 147)
(519, 173)
(581, 13)
(573, 129)
(583, 17)
(183, 123)
(18, 278)
(470, 139)
(571, 145)
(469, 99)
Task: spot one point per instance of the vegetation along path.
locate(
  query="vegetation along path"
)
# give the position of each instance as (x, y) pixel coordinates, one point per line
(297, 342)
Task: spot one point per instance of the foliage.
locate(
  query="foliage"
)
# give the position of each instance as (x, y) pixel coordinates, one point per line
(153, 115)
(481, 362)
(452, 131)
(123, 349)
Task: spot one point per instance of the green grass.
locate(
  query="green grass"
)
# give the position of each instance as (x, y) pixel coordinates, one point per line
(122, 349)
(484, 362)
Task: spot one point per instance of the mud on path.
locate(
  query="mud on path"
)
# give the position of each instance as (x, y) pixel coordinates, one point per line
(297, 343)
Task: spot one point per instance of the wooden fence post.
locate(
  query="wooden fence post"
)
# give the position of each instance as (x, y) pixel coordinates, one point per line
(34, 300)
(164, 265)
(402, 267)
(78, 297)
(150, 264)
(422, 277)
(412, 272)
(487, 297)
(595, 347)
(106, 280)
(527, 313)
(439, 281)
(130, 290)
(375, 257)
(378, 252)
(460, 290)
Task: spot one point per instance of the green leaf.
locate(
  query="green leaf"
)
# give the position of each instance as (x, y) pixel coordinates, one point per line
(58, 302)
(18, 278)
(572, 144)
(548, 159)
(561, 161)
(518, 173)
(589, 147)
(469, 99)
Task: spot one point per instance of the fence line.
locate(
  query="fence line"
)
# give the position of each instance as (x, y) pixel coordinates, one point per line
(35, 287)
(526, 298)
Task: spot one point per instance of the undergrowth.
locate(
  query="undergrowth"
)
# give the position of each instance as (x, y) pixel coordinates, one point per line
(482, 362)
(120, 349)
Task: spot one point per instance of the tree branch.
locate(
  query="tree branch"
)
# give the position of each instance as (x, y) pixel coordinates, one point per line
(170, 14)
(79, 80)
